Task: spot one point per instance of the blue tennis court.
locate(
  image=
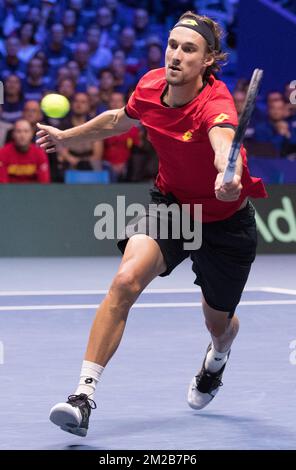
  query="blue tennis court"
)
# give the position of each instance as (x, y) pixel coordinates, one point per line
(46, 312)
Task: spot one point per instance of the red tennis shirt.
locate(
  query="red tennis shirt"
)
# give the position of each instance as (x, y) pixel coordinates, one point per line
(180, 138)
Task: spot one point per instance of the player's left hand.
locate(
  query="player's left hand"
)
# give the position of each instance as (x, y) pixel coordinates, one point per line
(228, 191)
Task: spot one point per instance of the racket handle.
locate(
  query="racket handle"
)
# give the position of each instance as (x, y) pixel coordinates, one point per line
(229, 173)
(230, 169)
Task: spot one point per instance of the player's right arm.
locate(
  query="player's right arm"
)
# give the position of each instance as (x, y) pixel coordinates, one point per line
(110, 123)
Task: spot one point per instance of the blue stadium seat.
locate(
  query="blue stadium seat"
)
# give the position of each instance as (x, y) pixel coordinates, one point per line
(87, 177)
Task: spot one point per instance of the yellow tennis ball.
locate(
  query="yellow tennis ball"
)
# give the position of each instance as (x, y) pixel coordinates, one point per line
(55, 106)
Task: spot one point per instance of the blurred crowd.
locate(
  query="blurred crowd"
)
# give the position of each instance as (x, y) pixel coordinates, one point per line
(94, 52)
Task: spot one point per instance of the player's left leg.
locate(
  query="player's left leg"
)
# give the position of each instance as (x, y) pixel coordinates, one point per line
(205, 385)
(223, 330)
(222, 267)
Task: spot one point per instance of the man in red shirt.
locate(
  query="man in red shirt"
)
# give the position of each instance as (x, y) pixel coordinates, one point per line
(117, 149)
(21, 161)
(190, 118)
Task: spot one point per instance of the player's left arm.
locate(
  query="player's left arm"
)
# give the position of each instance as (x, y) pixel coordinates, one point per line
(221, 139)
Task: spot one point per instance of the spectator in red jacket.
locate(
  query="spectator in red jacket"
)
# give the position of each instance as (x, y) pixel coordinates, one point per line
(21, 161)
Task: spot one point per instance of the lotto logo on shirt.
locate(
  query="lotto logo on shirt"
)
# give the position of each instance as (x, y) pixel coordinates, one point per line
(222, 117)
(187, 136)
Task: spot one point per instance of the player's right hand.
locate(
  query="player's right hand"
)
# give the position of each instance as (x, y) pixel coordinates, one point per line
(228, 192)
(48, 137)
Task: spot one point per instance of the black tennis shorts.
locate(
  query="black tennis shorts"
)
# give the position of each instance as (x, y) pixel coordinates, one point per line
(222, 263)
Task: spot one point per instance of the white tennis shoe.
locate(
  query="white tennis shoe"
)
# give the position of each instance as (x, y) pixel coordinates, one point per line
(205, 385)
(73, 416)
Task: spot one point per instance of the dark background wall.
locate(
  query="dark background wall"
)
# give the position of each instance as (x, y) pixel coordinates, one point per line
(59, 220)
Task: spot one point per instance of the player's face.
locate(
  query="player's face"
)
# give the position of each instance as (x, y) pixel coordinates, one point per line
(186, 56)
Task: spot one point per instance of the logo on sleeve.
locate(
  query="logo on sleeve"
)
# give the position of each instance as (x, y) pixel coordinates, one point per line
(222, 117)
(187, 136)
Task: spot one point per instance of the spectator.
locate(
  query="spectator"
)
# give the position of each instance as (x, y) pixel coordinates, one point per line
(28, 47)
(274, 96)
(143, 161)
(144, 29)
(43, 57)
(106, 88)
(5, 129)
(66, 87)
(122, 15)
(73, 32)
(154, 59)
(239, 98)
(117, 149)
(13, 99)
(81, 56)
(86, 14)
(57, 53)
(33, 114)
(242, 84)
(94, 100)
(33, 16)
(123, 80)
(36, 83)
(62, 73)
(9, 18)
(85, 155)
(20, 160)
(11, 64)
(141, 26)
(74, 70)
(277, 129)
(133, 54)
(100, 57)
(39, 18)
(109, 29)
(48, 9)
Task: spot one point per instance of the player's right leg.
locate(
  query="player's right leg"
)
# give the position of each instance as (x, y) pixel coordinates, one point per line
(142, 262)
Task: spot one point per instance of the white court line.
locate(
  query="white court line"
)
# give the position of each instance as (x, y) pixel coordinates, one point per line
(190, 290)
(139, 305)
(278, 290)
(91, 292)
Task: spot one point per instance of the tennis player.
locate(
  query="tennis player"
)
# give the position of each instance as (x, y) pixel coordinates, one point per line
(190, 118)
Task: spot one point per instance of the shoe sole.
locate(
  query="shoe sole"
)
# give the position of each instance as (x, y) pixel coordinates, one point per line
(191, 403)
(62, 415)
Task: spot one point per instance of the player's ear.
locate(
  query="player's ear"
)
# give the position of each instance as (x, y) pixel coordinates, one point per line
(209, 59)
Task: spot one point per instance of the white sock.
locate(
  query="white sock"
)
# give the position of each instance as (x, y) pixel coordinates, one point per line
(215, 360)
(89, 377)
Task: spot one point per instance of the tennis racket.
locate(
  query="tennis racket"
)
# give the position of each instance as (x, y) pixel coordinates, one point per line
(243, 123)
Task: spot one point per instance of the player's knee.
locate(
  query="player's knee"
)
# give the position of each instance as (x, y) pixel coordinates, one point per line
(126, 286)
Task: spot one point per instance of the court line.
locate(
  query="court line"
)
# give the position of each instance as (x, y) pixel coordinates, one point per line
(275, 290)
(139, 305)
(279, 290)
